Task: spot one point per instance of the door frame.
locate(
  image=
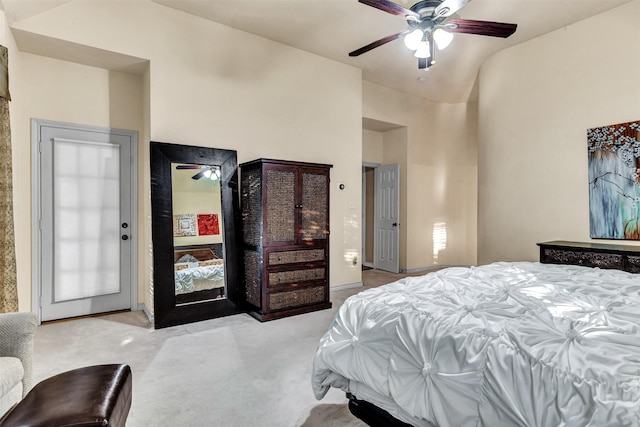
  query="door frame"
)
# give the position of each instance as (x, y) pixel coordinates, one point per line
(376, 202)
(36, 206)
(364, 215)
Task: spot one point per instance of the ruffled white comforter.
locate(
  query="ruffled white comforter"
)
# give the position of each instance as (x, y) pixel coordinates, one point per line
(212, 276)
(507, 344)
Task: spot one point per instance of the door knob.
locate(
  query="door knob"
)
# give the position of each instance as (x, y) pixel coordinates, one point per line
(125, 237)
(395, 224)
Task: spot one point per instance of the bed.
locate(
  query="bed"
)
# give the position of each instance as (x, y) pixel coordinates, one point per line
(506, 344)
(198, 270)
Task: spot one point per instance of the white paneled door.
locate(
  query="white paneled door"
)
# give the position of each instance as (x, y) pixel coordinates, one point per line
(86, 214)
(387, 222)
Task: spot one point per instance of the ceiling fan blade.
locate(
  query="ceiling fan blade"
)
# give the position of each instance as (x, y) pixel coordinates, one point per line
(199, 174)
(483, 28)
(449, 7)
(390, 7)
(179, 167)
(378, 43)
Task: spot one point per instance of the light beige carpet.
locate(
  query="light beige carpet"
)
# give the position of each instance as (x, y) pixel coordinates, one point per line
(227, 372)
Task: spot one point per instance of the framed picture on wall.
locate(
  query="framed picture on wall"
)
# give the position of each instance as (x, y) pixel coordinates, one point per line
(614, 181)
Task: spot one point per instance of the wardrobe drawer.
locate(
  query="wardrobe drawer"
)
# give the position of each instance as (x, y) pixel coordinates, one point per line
(296, 298)
(296, 276)
(292, 257)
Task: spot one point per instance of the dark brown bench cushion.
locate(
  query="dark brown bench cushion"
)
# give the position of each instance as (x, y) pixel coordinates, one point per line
(85, 397)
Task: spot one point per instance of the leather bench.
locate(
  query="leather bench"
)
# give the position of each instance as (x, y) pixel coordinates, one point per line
(91, 396)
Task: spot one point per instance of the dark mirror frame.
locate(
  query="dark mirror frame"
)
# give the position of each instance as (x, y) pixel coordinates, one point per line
(166, 312)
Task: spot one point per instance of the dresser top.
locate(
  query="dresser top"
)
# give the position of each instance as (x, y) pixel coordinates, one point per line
(591, 245)
(284, 163)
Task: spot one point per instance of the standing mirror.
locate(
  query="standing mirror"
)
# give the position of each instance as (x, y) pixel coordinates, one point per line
(194, 200)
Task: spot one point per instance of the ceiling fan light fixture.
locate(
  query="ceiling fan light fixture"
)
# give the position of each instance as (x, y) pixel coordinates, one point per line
(442, 38)
(413, 39)
(423, 50)
(431, 27)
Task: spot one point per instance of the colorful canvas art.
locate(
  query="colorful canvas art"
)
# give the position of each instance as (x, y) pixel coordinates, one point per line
(208, 224)
(184, 225)
(614, 181)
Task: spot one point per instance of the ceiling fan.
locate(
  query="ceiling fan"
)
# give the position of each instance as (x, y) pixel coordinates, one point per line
(430, 24)
(210, 172)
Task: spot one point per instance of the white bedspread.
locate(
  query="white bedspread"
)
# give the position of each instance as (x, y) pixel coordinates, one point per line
(507, 344)
(198, 277)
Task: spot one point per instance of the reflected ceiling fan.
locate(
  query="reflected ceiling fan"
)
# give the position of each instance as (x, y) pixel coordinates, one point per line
(210, 172)
(430, 24)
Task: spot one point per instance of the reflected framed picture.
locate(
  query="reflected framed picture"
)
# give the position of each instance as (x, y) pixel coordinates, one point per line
(208, 224)
(184, 225)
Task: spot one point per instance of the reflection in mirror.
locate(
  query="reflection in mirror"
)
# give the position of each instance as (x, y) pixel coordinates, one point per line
(197, 238)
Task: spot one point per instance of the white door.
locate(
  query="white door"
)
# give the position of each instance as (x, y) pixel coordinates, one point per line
(86, 219)
(387, 206)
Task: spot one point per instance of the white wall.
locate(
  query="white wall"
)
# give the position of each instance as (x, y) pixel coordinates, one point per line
(436, 150)
(372, 146)
(265, 100)
(537, 101)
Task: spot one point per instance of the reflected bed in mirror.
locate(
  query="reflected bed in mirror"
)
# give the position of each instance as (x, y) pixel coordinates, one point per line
(198, 275)
(194, 199)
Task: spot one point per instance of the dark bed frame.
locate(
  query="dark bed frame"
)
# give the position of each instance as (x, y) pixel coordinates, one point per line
(373, 415)
(202, 252)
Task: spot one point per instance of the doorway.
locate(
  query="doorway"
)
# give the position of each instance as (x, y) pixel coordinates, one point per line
(381, 217)
(84, 222)
(384, 153)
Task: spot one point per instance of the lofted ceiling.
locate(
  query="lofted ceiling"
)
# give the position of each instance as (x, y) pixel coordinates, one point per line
(333, 28)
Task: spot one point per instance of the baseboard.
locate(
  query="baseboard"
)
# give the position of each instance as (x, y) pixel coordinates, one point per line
(427, 269)
(347, 286)
(146, 312)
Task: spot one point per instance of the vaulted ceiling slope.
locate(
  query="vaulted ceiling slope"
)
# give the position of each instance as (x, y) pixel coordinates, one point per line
(333, 28)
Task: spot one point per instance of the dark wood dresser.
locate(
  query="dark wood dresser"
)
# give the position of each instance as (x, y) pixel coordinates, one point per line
(285, 219)
(620, 257)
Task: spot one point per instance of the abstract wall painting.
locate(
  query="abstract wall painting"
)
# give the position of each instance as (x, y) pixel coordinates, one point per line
(614, 181)
(208, 224)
